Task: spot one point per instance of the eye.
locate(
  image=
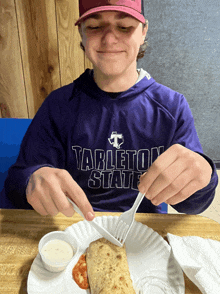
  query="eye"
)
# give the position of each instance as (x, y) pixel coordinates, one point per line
(124, 29)
(93, 28)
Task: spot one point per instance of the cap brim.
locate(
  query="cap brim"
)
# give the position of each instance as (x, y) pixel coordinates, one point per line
(124, 9)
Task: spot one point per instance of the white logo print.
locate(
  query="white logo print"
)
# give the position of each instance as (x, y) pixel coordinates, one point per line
(116, 140)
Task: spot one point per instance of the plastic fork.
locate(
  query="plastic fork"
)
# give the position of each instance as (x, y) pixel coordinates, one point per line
(126, 220)
(98, 228)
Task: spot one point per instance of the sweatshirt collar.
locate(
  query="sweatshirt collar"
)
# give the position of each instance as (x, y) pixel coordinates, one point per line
(91, 89)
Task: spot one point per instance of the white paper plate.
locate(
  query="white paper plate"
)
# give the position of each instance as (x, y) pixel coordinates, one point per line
(152, 265)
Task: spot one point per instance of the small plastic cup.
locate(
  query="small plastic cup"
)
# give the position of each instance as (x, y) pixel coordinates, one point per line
(54, 265)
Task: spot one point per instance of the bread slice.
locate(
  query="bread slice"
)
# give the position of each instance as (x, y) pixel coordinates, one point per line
(107, 268)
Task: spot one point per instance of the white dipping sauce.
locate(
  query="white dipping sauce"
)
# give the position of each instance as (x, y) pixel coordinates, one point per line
(57, 251)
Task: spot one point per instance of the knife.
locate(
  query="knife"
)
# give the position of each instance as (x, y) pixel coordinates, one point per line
(98, 228)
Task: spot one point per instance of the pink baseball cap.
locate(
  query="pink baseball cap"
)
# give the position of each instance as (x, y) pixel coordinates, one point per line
(134, 8)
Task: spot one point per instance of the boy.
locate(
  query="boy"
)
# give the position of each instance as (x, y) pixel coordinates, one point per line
(95, 139)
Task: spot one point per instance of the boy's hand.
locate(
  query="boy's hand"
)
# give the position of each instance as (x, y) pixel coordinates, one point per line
(175, 175)
(47, 190)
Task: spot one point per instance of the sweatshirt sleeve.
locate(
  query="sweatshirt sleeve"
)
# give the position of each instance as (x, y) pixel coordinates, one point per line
(186, 135)
(42, 146)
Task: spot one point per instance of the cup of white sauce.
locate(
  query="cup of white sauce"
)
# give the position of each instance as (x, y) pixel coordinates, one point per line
(56, 250)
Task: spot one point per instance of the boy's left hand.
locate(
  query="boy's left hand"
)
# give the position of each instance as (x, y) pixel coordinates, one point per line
(175, 175)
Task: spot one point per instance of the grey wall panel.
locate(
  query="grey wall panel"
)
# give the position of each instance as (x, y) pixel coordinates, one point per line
(184, 54)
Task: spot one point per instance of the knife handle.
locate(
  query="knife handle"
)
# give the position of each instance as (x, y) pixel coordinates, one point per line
(76, 208)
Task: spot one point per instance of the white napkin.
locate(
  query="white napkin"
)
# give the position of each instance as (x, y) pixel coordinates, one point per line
(200, 260)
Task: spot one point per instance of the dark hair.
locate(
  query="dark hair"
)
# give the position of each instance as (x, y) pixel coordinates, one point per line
(142, 49)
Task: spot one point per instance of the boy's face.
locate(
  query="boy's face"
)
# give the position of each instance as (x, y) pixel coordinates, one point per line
(112, 40)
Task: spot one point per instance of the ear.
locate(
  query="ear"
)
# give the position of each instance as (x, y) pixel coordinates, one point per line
(144, 33)
(80, 30)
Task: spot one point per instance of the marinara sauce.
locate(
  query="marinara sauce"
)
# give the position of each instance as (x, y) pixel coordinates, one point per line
(79, 273)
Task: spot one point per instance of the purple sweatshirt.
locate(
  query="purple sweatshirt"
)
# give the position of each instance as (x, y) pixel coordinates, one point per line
(106, 144)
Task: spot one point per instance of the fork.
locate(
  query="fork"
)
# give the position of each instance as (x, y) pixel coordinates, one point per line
(126, 220)
(98, 228)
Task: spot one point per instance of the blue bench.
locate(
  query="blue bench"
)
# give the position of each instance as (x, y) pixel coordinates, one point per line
(12, 131)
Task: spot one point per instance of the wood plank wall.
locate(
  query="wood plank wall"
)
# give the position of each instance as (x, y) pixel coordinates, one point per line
(39, 52)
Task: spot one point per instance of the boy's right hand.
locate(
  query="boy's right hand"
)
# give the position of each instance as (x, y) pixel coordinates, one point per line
(48, 188)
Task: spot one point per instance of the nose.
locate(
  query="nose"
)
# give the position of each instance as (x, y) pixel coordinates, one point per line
(109, 36)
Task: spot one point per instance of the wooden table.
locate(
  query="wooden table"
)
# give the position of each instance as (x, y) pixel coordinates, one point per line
(21, 230)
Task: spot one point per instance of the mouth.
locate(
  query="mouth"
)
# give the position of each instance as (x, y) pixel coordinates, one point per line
(109, 52)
